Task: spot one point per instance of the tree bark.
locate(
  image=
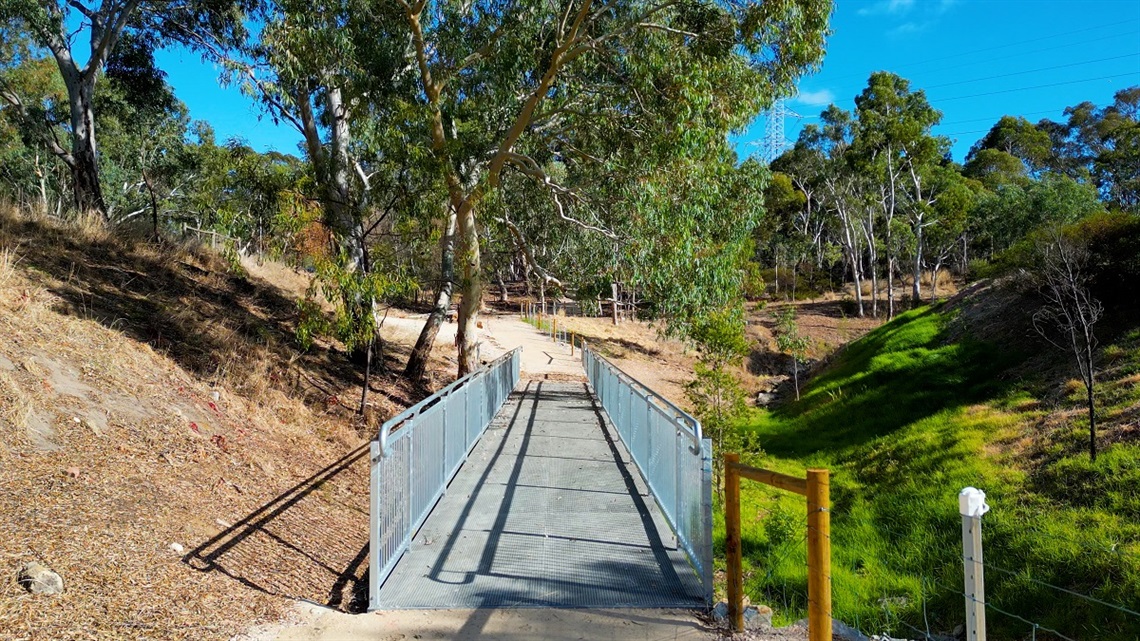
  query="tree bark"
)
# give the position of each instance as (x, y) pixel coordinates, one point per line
(88, 190)
(890, 285)
(471, 290)
(1092, 416)
(916, 286)
(417, 361)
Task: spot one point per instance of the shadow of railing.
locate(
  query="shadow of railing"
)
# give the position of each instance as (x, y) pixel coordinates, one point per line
(284, 547)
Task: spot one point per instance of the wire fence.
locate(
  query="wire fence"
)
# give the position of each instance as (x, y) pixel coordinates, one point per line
(930, 603)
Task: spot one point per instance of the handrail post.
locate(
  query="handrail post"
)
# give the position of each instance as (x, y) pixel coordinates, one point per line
(819, 556)
(733, 562)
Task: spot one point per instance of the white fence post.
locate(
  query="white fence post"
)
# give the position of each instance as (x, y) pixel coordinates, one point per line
(972, 505)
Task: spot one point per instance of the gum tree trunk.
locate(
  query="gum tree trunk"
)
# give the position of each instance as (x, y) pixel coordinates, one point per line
(88, 191)
(471, 291)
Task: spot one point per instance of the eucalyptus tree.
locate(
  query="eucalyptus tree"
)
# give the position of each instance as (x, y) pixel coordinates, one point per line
(517, 84)
(97, 26)
(30, 98)
(1101, 145)
(821, 162)
(893, 136)
(1018, 138)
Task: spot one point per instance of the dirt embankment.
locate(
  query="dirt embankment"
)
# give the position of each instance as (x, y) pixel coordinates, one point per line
(165, 446)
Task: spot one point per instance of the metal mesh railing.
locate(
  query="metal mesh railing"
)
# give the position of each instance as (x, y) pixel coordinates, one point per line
(668, 448)
(419, 451)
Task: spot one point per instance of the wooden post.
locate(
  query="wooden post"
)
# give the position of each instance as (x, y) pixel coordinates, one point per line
(571, 344)
(819, 555)
(554, 329)
(732, 551)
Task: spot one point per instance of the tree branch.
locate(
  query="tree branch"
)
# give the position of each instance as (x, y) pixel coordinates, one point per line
(524, 247)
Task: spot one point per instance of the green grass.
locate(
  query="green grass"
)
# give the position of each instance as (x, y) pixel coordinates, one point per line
(905, 418)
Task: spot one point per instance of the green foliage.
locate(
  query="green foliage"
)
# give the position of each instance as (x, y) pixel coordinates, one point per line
(715, 392)
(789, 340)
(754, 286)
(788, 337)
(905, 418)
(356, 298)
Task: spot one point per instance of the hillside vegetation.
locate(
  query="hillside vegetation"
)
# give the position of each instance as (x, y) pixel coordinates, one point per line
(941, 398)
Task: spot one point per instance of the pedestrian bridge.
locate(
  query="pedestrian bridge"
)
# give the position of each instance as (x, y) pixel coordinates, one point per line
(496, 493)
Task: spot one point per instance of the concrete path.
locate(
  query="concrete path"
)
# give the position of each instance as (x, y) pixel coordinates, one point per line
(545, 513)
(315, 623)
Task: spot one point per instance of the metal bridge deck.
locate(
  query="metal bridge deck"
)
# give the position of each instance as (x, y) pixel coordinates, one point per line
(548, 511)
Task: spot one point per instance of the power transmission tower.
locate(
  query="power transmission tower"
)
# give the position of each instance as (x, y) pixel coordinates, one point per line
(774, 141)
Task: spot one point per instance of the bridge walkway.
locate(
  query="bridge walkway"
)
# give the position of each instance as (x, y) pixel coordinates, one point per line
(548, 511)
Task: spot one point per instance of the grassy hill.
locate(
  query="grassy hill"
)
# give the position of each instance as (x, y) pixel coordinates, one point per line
(939, 399)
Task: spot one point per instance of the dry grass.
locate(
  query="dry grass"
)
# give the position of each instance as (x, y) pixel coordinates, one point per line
(148, 398)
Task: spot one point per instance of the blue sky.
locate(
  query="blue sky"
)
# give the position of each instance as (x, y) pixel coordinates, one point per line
(976, 59)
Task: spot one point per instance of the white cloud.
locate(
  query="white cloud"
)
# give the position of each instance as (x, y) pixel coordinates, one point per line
(892, 7)
(816, 98)
(908, 29)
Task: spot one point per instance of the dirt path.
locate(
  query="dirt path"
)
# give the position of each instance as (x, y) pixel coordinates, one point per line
(541, 357)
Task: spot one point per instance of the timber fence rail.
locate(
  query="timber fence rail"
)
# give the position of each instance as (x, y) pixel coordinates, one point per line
(669, 449)
(419, 451)
(818, 537)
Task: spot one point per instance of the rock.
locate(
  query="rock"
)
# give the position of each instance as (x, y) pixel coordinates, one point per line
(40, 432)
(38, 579)
(840, 631)
(764, 399)
(757, 618)
(894, 602)
(720, 612)
(177, 548)
(73, 472)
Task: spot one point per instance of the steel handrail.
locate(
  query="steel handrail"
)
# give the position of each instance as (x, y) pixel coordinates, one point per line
(682, 488)
(649, 394)
(419, 451)
(412, 412)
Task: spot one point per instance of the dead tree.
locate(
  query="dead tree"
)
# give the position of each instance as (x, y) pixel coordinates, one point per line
(1070, 313)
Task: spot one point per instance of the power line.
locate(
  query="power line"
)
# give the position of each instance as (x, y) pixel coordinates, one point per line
(964, 133)
(996, 118)
(1020, 54)
(987, 61)
(1022, 73)
(1052, 84)
(1018, 43)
